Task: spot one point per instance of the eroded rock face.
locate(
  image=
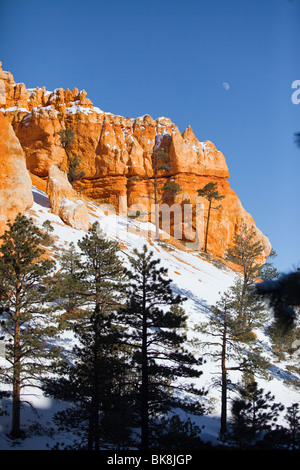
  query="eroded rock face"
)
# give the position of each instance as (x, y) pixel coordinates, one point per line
(15, 183)
(65, 202)
(113, 149)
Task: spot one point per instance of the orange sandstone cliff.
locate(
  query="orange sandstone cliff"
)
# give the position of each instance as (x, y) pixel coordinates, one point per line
(113, 149)
(15, 182)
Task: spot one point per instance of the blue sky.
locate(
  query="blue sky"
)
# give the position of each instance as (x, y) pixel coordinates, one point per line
(171, 58)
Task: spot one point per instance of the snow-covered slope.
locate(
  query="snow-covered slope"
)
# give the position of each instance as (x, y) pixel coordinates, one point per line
(201, 281)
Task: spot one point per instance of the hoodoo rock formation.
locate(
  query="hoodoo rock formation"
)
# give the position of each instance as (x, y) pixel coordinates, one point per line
(113, 149)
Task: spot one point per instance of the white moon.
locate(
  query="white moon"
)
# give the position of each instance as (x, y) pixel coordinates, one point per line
(226, 85)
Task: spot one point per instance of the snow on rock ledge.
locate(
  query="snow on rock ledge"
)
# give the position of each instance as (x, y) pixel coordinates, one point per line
(64, 200)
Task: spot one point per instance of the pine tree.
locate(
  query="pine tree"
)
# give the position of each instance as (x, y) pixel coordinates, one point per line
(23, 276)
(155, 320)
(230, 349)
(179, 434)
(254, 412)
(248, 310)
(163, 189)
(268, 270)
(93, 381)
(210, 193)
(67, 137)
(293, 418)
(238, 313)
(67, 290)
(219, 328)
(48, 229)
(245, 252)
(283, 337)
(73, 173)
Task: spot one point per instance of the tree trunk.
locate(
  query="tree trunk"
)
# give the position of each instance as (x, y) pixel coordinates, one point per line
(207, 225)
(16, 396)
(16, 407)
(156, 203)
(224, 402)
(224, 381)
(95, 431)
(144, 389)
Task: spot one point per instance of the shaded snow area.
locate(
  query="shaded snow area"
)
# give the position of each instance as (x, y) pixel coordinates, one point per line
(201, 281)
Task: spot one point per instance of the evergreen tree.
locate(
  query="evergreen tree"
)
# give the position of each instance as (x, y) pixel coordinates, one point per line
(67, 290)
(268, 270)
(93, 381)
(280, 437)
(293, 418)
(210, 193)
(48, 229)
(219, 328)
(230, 349)
(155, 322)
(67, 137)
(245, 252)
(163, 189)
(23, 278)
(179, 434)
(73, 173)
(238, 313)
(247, 309)
(283, 337)
(252, 413)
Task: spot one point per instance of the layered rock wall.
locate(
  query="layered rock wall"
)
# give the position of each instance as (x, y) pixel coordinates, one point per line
(113, 149)
(15, 182)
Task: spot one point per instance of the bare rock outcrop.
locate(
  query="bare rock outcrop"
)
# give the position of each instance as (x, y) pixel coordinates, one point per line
(65, 202)
(113, 149)
(15, 183)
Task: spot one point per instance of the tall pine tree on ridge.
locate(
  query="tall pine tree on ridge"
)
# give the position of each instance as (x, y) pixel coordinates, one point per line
(155, 323)
(24, 275)
(92, 381)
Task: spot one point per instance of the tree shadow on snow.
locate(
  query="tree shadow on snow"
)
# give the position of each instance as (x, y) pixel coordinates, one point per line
(200, 304)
